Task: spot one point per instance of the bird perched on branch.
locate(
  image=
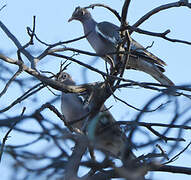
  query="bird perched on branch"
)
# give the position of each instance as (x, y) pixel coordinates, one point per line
(71, 104)
(108, 137)
(104, 38)
(102, 131)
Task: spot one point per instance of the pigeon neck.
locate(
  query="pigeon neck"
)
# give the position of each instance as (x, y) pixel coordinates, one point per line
(89, 25)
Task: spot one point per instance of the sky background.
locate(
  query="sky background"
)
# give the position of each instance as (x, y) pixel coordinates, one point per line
(52, 26)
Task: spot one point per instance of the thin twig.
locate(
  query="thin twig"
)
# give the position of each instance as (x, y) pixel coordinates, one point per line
(177, 155)
(124, 12)
(161, 136)
(160, 8)
(155, 34)
(144, 124)
(10, 81)
(7, 134)
(3, 7)
(24, 96)
(152, 110)
(107, 7)
(172, 169)
(16, 42)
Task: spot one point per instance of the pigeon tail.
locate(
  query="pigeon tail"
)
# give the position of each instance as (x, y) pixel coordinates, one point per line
(149, 68)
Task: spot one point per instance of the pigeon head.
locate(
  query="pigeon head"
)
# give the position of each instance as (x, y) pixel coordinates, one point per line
(80, 14)
(66, 79)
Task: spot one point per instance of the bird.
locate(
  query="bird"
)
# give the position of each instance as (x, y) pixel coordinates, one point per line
(102, 131)
(71, 104)
(104, 135)
(104, 38)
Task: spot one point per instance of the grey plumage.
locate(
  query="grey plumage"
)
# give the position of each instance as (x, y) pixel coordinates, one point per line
(71, 104)
(101, 131)
(104, 37)
(111, 140)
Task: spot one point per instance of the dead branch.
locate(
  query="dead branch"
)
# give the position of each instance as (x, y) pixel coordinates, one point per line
(17, 43)
(7, 134)
(161, 8)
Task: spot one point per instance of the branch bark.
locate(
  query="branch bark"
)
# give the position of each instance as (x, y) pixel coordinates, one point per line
(161, 8)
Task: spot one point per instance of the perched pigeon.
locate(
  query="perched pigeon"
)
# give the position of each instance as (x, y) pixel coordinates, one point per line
(101, 131)
(104, 38)
(71, 104)
(111, 140)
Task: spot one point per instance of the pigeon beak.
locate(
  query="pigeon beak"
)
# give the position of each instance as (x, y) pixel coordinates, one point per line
(70, 19)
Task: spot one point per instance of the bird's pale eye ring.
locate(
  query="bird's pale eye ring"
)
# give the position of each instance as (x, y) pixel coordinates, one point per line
(80, 13)
(64, 76)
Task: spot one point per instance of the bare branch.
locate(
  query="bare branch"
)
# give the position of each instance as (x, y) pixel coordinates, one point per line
(177, 155)
(3, 7)
(152, 110)
(17, 43)
(161, 35)
(124, 12)
(7, 134)
(19, 71)
(54, 84)
(144, 124)
(74, 160)
(172, 169)
(24, 96)
(65, 163)
(161, 136)
(160, 8)
(107, 7)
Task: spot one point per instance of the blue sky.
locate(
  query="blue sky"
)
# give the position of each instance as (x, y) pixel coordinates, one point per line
(52, 26)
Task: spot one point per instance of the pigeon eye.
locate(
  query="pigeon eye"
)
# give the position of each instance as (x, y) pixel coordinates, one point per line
(64, 76)
(80, 12)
